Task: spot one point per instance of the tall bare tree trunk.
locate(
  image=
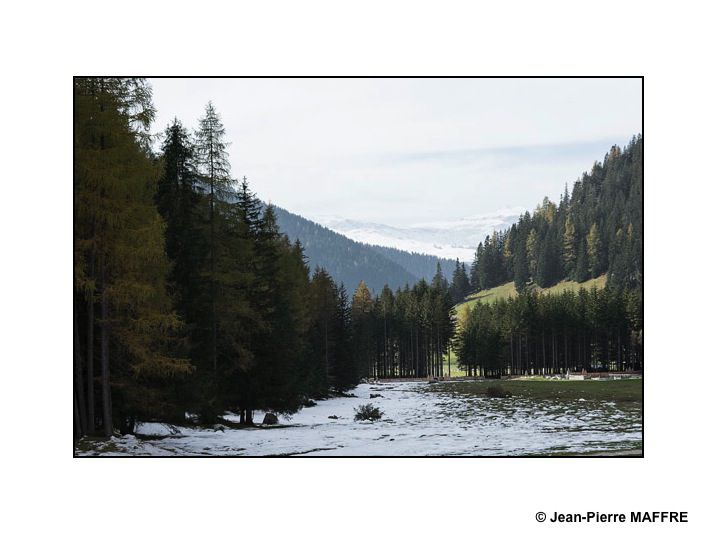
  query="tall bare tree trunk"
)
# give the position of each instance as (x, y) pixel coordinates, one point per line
(511, 355)
(79, 387)
(77, 422)
(105, 356)
(90, 366)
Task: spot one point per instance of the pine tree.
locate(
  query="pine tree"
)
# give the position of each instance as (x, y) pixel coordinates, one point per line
(439, 282)
(323, 339)
(569, 245)
(581, 265)
(595, 251)
(280, 300)
(179, 203)
(214, 166)
(361, 313)
(347, 372)
(460, 282)
(476, 282)
(532, 248)
(522, 272)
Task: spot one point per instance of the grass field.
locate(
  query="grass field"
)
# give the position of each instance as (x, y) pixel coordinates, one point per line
(507, 290)
(627, 392)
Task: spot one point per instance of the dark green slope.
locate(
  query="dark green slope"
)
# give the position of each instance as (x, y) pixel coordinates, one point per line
(347, 261)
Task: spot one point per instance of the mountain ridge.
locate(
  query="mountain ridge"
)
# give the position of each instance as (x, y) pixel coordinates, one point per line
(349, 261)
(447, 239)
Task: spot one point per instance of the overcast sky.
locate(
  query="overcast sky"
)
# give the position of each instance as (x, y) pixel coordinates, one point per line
(405, 151)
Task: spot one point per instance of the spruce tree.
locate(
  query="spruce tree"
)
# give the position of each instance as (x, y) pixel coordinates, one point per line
(361, 313)
(569, 245)
(595, 251)
(179, 203)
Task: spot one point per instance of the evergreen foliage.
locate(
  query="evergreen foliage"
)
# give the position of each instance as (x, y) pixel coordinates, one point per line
(589, 233)
(406, 333)
(188, 297)
(537, 334)
(123, 313)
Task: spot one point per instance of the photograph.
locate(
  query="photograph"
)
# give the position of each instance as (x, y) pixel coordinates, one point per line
(358, 266)
(360, 271)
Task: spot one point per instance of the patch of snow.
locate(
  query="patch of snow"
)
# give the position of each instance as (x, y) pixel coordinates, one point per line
(416, 422)
(451, 239)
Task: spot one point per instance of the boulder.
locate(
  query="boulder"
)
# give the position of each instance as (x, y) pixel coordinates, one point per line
(332, 417)
(270, 419)
(373, 396)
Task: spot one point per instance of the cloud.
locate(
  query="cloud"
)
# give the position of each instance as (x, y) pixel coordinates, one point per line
(401, 151)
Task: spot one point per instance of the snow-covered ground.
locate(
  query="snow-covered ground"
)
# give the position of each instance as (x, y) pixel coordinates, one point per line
(416, 422)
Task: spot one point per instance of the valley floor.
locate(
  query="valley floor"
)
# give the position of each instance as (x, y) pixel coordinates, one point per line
(420, 419)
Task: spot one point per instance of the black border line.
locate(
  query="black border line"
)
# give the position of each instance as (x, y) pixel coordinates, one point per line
(581, 456)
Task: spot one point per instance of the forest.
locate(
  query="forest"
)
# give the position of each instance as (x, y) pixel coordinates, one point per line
(536, 334)
(597, 230)
(190, 301)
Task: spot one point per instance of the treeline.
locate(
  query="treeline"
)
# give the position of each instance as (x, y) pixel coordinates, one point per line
(406, 333)
(595, 230)
(188, 300)
(538, 334)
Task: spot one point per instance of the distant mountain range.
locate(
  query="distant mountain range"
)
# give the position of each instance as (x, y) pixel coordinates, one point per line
(348, 261)
(452, 239)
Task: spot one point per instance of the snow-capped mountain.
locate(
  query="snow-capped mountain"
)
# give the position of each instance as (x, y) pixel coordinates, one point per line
(451, 239)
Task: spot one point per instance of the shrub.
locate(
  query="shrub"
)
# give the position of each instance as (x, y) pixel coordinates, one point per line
(368, 412)
(496, 390)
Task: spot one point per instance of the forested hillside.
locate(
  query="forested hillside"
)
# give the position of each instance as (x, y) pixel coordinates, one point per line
(594, 230)
(422, 265)
(346, 260)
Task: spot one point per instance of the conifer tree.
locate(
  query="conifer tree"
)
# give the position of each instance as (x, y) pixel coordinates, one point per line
(521, 270)
(361, 313)
(531, 248)
(179, 203)
(581, 265)
(476, 283)
(569, 245)
(119, 255)
(460, 282)
(594, 251)
(347, 373)
(323, 341)
(214, 166)
(439, 282)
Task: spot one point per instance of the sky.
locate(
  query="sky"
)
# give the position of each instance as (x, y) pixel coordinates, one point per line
(407, 151)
